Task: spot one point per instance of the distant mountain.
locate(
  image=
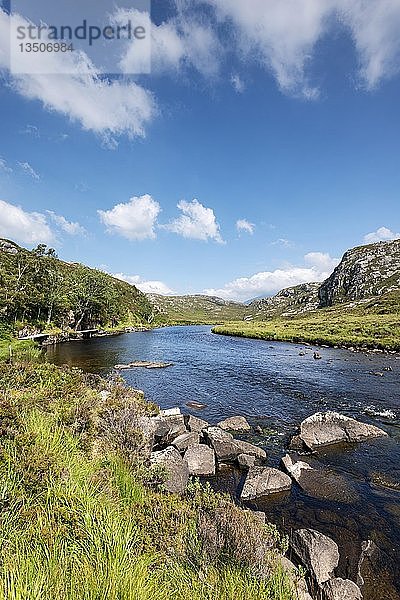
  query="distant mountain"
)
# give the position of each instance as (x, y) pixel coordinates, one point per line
(364, 272)
(196, 309)
(288, 302)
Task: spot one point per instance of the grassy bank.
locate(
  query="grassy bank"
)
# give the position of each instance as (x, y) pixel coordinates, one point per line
(83, 516)
(362, 328)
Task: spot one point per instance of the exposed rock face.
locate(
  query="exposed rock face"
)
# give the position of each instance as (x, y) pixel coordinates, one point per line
(323, 429)
(318, 481)
(245, 461)
(223, 443)
(247, 448)
(176, 468)
(200, 460)
(317, 552)
(288, 302)
(235, 424)
(263, 481)
(182, 442)
(363, 272)
(195, 424)
(169, 427)
(341, 589)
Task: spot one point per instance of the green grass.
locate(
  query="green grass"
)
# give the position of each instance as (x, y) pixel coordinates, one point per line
(82, 518)
(373, 325)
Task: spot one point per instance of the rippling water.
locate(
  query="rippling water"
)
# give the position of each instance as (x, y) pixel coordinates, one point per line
(275, 387)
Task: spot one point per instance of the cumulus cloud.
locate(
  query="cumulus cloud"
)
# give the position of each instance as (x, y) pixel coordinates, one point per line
(267, 283)
(383, 234)
(148, 287)
(69, 227)
(135, 220)
(108, 108)
(196, 222)
(283, 35)
(4, 166)
(25, 166)
(25, 227)
(245, 226)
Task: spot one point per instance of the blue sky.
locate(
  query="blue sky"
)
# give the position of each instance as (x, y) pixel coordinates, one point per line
(249, 159)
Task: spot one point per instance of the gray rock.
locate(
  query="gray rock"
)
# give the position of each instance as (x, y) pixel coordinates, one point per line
(234, 424)
(324, 429)
(195, 424)
(176, 468)
(167, 428)
(298, 583)
(341, 589)
(263, 481)
(182, 442)
(319, 481)
(246, 461)
(317, 552)
(170, 412)
(200, 460)
(223, 443)
(250, 449)
(146, 427)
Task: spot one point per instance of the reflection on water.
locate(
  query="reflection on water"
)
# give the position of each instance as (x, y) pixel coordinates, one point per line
(275, 388)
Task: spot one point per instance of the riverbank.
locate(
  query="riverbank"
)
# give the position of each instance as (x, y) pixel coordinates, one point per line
(83, 511)
(326, 327)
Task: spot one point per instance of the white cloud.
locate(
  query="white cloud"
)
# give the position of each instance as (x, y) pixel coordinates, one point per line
(383, 234)
(318, 267)
(283, 34)
(4, 166)
(67, 226)
(148, 287)
(107, 108)
(135, 220)
(244, 225)
(29, 228)
(25, 166)
(237, 83)
(283, 242)
(31, 130)
(196, 222)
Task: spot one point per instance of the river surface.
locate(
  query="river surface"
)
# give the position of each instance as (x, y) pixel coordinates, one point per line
(276, 387)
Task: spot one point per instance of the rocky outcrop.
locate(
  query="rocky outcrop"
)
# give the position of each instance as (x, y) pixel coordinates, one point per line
(341, 589)
(324, 429)
(317, 552)
(288, 302)
(363, 272)
(176, 468)
(319, 481)
(263, 481)
(234, 424)
(200, 460)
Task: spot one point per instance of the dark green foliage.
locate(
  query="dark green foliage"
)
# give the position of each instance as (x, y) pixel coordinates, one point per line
(38, 289)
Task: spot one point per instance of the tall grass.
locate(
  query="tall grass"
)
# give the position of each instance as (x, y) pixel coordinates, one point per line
(76, 524)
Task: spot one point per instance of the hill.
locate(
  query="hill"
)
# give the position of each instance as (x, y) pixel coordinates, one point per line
(195, 309)
(40, 291)
(288, 302)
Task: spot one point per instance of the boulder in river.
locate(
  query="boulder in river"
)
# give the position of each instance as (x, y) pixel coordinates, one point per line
(235, 424)
(317, 552)
(184, 441)
(263, 481)
(195, 424)
(324, 429)
(200, 460)
(223, 443)
(176, 468)
(319, 481)
(247, 448)
(145, 364)
(341, 589)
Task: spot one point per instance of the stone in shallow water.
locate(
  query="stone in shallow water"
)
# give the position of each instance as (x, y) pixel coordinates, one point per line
(324, 429)
(200, 459)
(317, 552)
(319, 481)
(250, 449)
(263, 481)
(176, 468)
(235, 424)
(341, 589)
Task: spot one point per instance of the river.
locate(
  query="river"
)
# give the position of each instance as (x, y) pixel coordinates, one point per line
(275, 386)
